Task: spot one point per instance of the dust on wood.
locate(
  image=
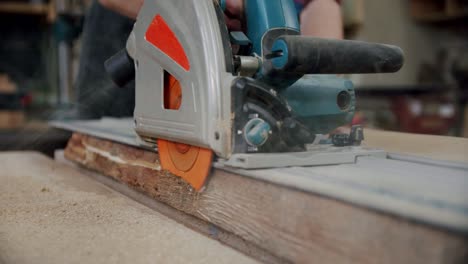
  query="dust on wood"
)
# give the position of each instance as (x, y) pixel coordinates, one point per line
(292, 225)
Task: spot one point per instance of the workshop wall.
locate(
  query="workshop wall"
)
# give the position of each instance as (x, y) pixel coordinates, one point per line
(391, 22)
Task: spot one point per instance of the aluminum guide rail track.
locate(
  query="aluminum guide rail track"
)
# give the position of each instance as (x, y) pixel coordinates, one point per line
(424, 190)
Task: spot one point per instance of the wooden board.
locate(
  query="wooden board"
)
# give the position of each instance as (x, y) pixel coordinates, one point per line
(429, 146)
(50, 213)
(292, 225)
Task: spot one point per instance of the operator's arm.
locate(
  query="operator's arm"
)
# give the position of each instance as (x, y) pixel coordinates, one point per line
(322, 18)
(129, 8)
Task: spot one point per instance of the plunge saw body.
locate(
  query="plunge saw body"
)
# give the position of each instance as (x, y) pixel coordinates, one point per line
(254, 99)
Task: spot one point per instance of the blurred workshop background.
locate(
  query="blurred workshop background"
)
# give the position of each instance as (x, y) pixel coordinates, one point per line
(41, 42)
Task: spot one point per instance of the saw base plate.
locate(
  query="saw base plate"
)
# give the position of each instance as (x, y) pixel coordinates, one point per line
(315, 156)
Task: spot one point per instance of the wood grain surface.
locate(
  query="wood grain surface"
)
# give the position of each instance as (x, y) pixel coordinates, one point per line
(51, 213)
(292, 225)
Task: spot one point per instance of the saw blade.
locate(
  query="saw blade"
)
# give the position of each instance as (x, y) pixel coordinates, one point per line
(191, 163)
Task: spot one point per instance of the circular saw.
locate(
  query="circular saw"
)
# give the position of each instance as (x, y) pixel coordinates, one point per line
(260, 95)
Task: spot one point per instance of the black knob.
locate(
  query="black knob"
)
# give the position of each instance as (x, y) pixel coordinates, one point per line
(121, 68)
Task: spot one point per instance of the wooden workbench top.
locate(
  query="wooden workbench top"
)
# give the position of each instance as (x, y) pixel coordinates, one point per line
(429, 146)
(51, 213)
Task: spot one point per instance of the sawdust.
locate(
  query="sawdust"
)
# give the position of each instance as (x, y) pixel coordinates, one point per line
(72, 219)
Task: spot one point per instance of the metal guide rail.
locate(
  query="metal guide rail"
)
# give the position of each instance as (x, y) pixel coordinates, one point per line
(421, 189)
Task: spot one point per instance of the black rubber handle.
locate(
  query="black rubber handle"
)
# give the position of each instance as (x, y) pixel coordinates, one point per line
(120, 68)
(309, 55)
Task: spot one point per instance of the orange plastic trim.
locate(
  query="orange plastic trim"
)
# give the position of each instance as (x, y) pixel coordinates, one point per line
(162, 37)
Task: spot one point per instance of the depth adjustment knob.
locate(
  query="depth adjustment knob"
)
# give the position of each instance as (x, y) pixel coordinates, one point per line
(256, 132)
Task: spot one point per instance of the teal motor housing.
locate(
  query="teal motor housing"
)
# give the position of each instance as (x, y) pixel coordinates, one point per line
(262, 16)
(300, 70)
(322, 102)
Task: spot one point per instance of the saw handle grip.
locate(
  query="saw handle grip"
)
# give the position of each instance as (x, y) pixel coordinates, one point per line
(120, 68)
(309, 55)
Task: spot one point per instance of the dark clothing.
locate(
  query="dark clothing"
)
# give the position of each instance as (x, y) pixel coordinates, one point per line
(105, 33)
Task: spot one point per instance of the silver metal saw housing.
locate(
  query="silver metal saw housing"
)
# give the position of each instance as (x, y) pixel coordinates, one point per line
(204, 118)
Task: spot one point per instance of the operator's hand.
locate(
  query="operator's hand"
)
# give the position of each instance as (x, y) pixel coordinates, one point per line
(234, 14)
(130, 8)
